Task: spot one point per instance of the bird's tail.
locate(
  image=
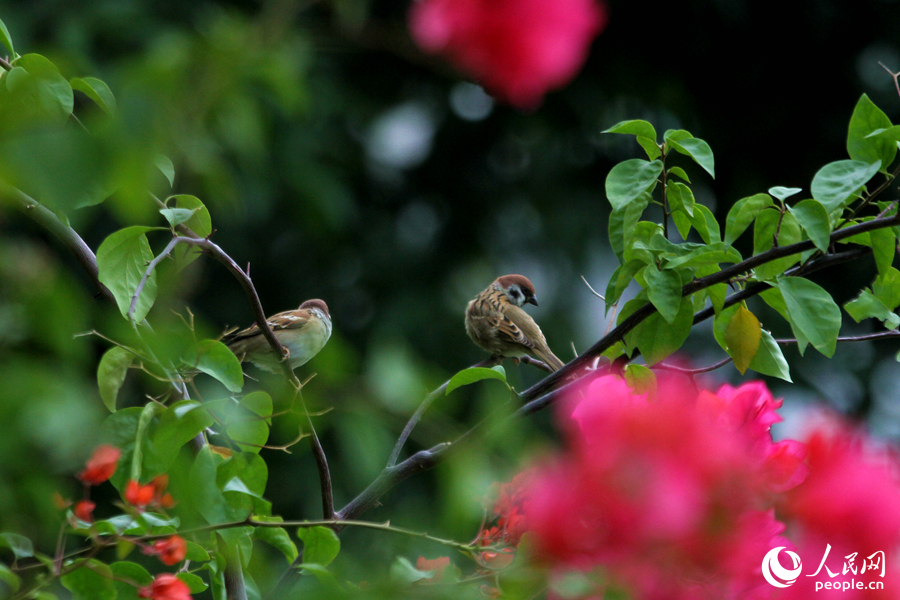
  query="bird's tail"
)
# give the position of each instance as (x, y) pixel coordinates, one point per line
(548, 357)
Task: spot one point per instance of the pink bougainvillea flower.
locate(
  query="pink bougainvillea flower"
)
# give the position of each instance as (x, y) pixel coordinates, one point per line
(166, 587)
(101, 465)
(517, 49)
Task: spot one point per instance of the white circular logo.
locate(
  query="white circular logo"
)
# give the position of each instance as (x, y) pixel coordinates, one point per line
(775, 574)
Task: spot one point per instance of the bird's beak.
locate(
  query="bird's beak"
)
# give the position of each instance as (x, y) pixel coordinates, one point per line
(532, 300)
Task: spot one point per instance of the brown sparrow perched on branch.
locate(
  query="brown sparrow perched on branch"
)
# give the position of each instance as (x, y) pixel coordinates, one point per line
(303, 332)
(496, 322)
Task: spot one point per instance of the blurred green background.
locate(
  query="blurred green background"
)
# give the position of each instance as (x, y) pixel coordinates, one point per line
(341, 163)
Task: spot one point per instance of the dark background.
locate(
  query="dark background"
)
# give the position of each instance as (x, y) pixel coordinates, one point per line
(334, 161)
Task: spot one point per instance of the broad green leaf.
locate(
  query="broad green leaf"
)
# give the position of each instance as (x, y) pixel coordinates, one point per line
(321, 545)
(622, 223)
(403, 571)
(743, 213)
(242, 479)
(127, 573)
(706, 225)
(638, 247)
(867, 118)
(623, 275)
(675, 135)
(634, 127)
(252, 424)
(475, 374)
(11, 580)
(769, 359)
(325, 578)
(179, 424)
(626, 311)
(679, 172)
(122, 259)
(148, 413)
(867, 306)
(164, 164)
(20, 545)
(839, 182)
(714, 253)
(196, 553)
(195, 584)
(887, 288)
(812, 312)
(682, 224)
(698, 150)
(176, 216)
(716, 292)
(884, 244)
(742, 338)
(629, 179)
(640, 379)
(681, 198)
(813, 218)
(216, 360)
(200, 223)
(111, 374)
(650, 147)
(97, 91)
(6, 39)
(664, 291)
(278, 538)
(769, 224)
(93, 581)
(206, 495)
(35, 92)
(774, 299)
(658, 339)
(783, 193)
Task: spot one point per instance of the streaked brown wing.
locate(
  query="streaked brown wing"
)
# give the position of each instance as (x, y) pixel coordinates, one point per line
(290, 319)
(508, 332)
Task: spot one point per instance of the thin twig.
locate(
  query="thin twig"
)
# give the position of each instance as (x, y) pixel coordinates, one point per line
(893, 75)
(593, 291)
(684, 371)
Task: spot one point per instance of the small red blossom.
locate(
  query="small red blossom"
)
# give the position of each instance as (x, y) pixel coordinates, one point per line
(101, 465)
(517, 49)
(435, 564)
(84, 510)
(166, 587)
(171, 550)
(138, 495)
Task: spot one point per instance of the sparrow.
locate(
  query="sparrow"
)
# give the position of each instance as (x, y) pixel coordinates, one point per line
(303, 332)
(496, 322)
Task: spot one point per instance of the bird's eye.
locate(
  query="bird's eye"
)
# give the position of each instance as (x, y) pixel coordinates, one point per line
(514, 293)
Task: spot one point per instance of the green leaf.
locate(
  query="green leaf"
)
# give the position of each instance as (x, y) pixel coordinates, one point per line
(698, 150)
(706, 225)
(403, 571)
(148, 413)
(179, 424)
(131, 572)
(97, 91)
(887, 288)
(207, 497)
(884, 244)
(769, 359)
(839, 182)
(216, 360)
(664, 291)
(783, 193)
(474, 375)
(867, 305)
(867, 118)
(634, 127)
(742, 338)
(195, 584)
(622, 223)
(164, 164)
(764, 232)
(640, 379)
(35, 92)
(703, 255)
(682, 224)
(658, 339)
(6, 39)
(200, 223)
(122, 259)
(196, 553)
(675, 135)
(679, 172)
(623, 275)
(743, 213)
(321, 545)
(111, 374)
(176, 216)
(248, 427)
(681, 198)
(20, 545)
(650, 147)
(11, 580)
(629, 179)
(812, 311)
(278, 538)
(93, 581)
(774, 299)
(813, 218)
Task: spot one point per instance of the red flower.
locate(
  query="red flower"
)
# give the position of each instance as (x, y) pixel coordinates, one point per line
(170, 550)
(166, 587)
(139, 495)
(84, 510)
(517, 49)
(101, 465)
(435, 564)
